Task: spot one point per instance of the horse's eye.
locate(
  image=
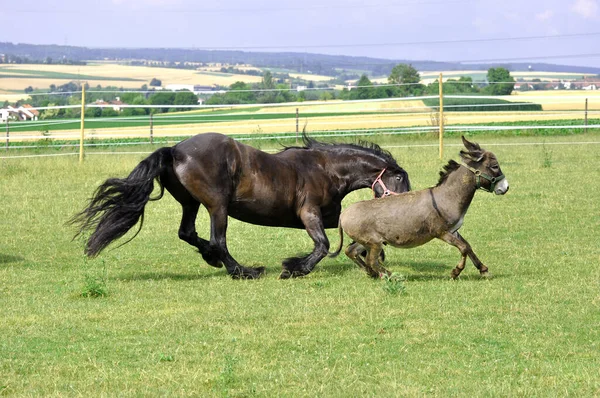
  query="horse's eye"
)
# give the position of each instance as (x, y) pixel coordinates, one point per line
(398, 178)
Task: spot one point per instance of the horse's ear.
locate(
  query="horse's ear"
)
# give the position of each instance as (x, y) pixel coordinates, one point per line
(473, 152)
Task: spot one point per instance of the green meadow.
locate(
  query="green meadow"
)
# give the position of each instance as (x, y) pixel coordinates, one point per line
(150, 318)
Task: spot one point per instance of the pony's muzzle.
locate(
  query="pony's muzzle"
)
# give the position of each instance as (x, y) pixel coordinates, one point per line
(502, 187)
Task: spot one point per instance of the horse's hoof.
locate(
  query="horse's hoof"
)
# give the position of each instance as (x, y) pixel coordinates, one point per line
(249, 273)
(285, 274)
(454, 274)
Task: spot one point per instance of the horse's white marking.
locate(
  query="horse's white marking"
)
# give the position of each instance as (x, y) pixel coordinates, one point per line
(502, 187)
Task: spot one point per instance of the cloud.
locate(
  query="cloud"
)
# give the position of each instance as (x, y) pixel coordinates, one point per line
(586, 8)
(544, 16)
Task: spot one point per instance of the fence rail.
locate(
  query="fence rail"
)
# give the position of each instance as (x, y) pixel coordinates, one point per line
(354, 117)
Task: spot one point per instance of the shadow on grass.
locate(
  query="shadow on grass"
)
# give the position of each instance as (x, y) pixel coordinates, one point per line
(7, 259)
(158, 276)
(428, 270)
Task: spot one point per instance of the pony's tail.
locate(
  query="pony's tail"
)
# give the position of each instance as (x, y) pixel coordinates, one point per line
(339, 249)
(118, 204)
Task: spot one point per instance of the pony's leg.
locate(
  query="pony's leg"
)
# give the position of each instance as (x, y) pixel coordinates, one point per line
(483, 270)
(187, 227)
(464, 247)
(218, 241)
(354, 252)
(300, 266)
(373, 254)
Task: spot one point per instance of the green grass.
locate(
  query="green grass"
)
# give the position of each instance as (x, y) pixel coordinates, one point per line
(170, 325)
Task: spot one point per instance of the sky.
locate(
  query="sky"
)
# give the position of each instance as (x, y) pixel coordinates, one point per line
(552, 31)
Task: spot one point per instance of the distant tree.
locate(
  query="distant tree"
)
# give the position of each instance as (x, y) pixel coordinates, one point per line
(326, 96)
(267, 81)
(28, 90)
(364, 88)
(162, 98)
(408, 77)
(155, 82)
(501, 82)
(185, 98)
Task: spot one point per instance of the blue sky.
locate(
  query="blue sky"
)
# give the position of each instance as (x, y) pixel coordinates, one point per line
(451, 30)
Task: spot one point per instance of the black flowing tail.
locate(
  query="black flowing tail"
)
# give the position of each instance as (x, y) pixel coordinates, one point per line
(118, 204)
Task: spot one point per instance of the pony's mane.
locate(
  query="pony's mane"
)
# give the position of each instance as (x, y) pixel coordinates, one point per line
(449, 168)
(362, 146)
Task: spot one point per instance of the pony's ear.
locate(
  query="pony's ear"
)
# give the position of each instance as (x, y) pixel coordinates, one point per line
(471, 146)
(473, 152)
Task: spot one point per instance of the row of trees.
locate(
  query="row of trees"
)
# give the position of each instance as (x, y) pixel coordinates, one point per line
(403, 81)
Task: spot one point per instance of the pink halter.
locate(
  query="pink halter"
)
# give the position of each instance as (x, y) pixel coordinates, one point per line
(386, 191)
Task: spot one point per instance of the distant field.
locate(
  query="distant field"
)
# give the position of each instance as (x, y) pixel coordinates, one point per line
(129, 77)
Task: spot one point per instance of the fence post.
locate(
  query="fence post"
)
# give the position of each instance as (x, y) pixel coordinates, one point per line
(82, 136)
(296, 125)
(585, 118)
(441, 120)
(151, 129)
(7, 132)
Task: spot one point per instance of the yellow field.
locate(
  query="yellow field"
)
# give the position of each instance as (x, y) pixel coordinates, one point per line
(112, 71)
(344, 106)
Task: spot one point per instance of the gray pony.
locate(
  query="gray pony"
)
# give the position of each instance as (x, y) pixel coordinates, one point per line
(414, 218)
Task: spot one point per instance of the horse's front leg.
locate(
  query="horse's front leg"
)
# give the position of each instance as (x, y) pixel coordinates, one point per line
(300, 266)
(218, 242)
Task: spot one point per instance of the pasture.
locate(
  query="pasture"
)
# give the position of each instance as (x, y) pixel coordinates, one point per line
(165, 323)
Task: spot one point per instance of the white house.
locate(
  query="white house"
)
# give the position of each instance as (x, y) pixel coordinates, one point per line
(24, 112)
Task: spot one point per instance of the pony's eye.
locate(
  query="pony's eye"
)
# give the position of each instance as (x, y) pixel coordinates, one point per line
(398, 178)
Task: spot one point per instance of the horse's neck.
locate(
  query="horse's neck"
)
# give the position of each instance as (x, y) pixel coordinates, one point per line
(455, 194)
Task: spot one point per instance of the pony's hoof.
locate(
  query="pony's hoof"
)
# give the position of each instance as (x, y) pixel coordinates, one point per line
(454, 274)
(486, 275)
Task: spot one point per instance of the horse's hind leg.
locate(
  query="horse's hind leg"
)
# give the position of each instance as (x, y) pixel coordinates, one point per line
(218, 230)
(187, 227)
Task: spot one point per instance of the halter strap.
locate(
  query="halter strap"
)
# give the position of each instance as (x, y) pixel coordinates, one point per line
(478, 174)
(386, 191)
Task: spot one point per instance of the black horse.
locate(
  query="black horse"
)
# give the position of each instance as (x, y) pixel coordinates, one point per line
(299, 187)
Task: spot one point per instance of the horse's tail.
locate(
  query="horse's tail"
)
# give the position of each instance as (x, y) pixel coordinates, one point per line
(118, 204)
(339, 249)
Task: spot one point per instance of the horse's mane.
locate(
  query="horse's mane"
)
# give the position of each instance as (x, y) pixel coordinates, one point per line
(362, 146)
(449, 168)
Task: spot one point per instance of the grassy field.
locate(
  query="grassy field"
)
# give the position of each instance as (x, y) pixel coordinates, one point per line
(168, 324)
